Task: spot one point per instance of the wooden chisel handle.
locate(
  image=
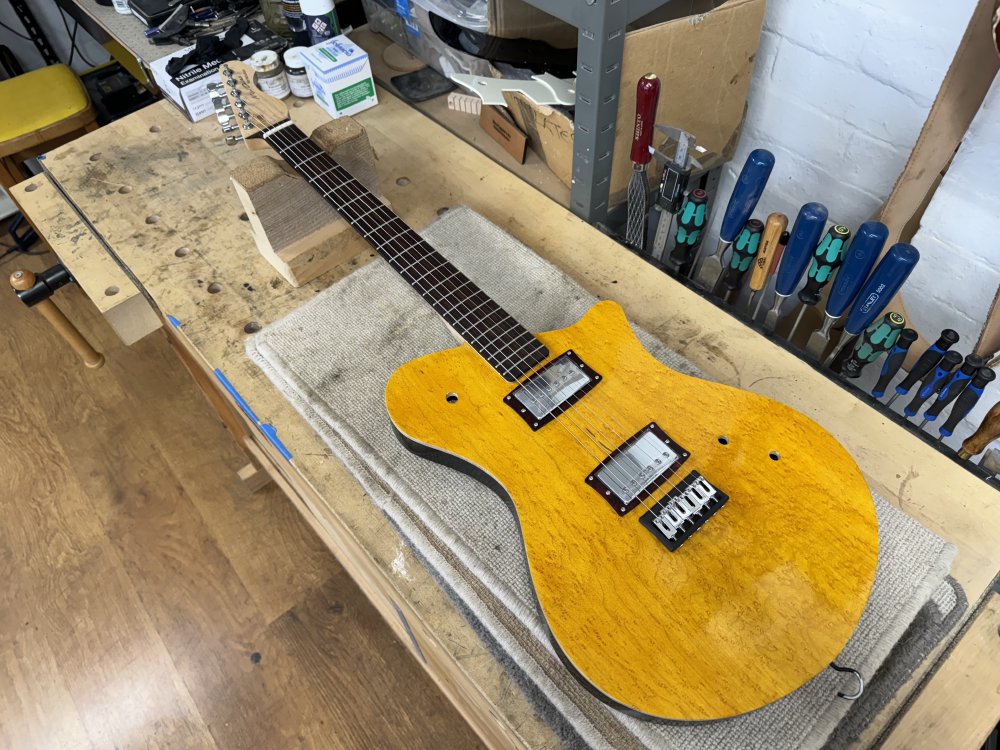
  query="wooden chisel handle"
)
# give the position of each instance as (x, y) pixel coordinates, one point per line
(988, 431)
(647, 96)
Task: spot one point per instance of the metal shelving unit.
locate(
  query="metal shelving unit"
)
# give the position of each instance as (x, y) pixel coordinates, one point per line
(601, 42)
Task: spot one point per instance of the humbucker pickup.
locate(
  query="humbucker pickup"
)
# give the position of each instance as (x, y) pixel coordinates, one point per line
(634, 470)
(683, 510)
(552, 390)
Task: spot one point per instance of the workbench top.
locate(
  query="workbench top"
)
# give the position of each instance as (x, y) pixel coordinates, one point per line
(153, 184)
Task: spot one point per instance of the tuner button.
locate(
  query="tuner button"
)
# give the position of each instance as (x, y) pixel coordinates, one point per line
(232, 140)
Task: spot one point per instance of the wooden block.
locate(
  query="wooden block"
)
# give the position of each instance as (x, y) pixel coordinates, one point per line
(294, 228)
(253, 477)
(502, 129)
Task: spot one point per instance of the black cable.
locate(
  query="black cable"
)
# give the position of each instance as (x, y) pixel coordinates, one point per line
(73, 49)
(16, 33)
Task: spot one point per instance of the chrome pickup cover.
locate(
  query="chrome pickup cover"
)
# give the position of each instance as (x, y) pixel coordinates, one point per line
(552, 390)
(683, 510)
(636, 468)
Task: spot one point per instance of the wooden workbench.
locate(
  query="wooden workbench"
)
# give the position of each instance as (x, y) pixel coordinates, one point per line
(154, 190)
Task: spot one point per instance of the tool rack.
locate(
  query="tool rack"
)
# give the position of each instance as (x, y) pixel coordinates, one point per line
(601, 43)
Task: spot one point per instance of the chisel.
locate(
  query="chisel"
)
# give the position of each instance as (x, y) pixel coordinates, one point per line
(804, 237)
(749, 186)
(690, 223)
(956, 384)
(931, 356)
(892, 363)
(968, 398)
(878, 338)
(647, 96)
(877, 292)
(782, 244)
(933, 382)
(767, 255)
(828, 256)
(858, 262)
(744, 249)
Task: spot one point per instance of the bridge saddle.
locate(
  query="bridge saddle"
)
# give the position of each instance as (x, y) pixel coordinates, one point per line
(683, 510)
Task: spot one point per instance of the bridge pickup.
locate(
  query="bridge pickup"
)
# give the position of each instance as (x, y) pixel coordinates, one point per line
(683, 510)
(552, 390)
(636, 468)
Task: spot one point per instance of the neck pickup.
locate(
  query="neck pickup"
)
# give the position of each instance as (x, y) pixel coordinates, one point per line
(503, 342)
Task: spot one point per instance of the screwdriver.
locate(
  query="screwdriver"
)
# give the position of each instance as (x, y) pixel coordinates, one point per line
(858, 262)
(805, 234)
(931, 356)
(960, 378)
(827, 257)
(968, 398)
(782, 244)
(877, 292)
(690, 223)
(750, 184)
(933, 381)
(744, 250)
(877, 339)
(767, 256)
(899, 351)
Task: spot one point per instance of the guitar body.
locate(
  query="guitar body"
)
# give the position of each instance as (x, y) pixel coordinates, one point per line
(757, 601)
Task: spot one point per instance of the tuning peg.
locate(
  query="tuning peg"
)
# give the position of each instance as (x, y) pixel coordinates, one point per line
(230, 127)
(232, 140)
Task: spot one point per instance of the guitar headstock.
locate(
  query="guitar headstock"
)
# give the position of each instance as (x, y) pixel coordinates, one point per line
(243, 110)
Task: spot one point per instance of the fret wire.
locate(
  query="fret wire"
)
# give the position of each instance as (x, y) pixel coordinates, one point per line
(495, 316)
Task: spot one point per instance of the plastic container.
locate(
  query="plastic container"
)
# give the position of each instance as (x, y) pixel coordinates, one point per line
(271, 78)
(321, 20)
(295, 69)
(296, 23)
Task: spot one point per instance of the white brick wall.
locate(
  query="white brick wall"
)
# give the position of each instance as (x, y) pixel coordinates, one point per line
(839, 94)
(959, 239)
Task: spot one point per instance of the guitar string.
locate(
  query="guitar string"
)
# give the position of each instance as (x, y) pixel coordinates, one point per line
(586, 430)
(596, 438)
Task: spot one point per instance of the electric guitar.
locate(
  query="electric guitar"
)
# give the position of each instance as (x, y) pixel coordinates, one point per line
(697, 551)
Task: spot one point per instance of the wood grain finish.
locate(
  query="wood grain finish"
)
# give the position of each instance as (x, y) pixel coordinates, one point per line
(755, 604)
(149, 599)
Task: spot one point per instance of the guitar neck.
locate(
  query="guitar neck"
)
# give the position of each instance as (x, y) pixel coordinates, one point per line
(503, 342)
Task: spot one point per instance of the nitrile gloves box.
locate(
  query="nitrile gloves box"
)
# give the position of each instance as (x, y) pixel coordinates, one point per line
(340, 76)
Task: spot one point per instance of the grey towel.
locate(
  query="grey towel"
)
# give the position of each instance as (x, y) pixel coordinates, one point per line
(332, 357)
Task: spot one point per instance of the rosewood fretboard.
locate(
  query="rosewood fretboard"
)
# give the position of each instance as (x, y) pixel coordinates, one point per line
(503, 342)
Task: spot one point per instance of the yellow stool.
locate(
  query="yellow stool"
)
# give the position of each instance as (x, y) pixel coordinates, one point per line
(40, 110)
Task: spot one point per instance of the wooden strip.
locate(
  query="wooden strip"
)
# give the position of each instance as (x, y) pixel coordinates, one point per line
(959, 706)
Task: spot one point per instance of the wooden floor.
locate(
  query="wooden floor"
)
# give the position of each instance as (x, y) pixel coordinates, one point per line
(148, 599)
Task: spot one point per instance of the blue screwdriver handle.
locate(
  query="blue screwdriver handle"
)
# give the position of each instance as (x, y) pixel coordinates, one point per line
(932, 383)
(749, 186)
(861, 256)
(884, 282)
(804, 237)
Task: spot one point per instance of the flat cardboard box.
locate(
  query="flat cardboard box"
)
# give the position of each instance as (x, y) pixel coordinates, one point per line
(704, 62)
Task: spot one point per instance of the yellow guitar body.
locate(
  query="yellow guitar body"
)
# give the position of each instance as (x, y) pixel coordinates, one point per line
(755, 603)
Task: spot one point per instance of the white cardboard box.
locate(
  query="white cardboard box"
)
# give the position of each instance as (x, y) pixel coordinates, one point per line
(341, 76)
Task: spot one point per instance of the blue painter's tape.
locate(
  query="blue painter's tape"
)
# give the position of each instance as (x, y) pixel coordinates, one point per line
(174, 322)
(267, 430)
(403, 8)
(272, 434)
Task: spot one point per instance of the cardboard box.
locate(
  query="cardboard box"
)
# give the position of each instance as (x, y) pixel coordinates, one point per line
(704, 62)
(341, 76)
(188, 90)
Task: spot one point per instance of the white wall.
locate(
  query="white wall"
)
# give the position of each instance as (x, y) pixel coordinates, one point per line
(839, 94)
(47, 14)
(959, 239)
